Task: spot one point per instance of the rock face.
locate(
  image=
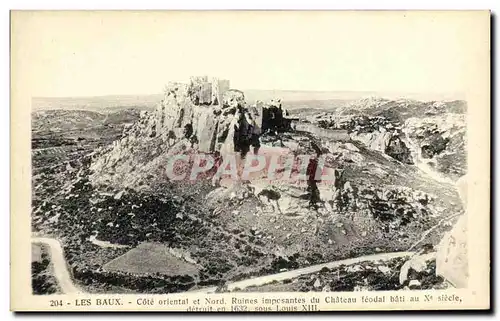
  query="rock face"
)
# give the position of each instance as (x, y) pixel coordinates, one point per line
(204, 115)
(439, 143)
(290, 201)
(430, 135)
(397, 149)
(386, 142)
(452, 259)
(192, 111)
(190, 116)
(377, 133)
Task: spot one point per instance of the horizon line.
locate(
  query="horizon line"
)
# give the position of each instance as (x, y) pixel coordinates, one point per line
(458, 96)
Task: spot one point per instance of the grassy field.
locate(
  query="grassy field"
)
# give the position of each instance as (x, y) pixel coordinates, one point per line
(150, 258)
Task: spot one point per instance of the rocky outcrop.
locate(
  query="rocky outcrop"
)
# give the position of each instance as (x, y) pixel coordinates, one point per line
(452, 256)
(190, 116)
(397, 149)
(430, 135)
(389, 143)
(438, 143)
(377, 133)
(283, 199)
(201, 116)
(392, 206)
(450, 261)
(191, 111)
(402, 109)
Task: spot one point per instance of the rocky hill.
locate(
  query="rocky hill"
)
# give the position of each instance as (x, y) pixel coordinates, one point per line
(378, 200)
(402, 109)
(201, 116)
(61, 120)
(429, 135)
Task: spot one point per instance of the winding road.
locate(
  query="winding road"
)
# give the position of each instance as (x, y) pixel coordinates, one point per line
(65, 281)
(262, 280)
(61, 272)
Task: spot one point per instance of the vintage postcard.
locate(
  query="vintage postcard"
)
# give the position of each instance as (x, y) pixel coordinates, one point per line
(250, 161)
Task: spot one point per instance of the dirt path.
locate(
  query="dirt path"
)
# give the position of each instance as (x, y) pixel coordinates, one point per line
(262, 280)
(61, 272)
(65, 282)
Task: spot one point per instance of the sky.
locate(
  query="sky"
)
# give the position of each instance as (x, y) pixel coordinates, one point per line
(105, 53)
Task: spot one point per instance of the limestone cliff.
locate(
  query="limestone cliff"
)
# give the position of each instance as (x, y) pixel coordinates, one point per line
(202, 116)
(194, 116)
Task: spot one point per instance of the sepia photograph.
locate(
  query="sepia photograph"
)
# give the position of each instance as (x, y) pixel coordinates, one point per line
(248, 153)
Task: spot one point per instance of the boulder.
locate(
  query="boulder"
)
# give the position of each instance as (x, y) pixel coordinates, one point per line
(384, 269)
(414, 284)
(417, 263)
(351, 147)
(286, 200)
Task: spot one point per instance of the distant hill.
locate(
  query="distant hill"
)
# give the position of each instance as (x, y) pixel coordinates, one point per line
(299, 95)
(295, 95)
(402, 109)
(63, 120)
(101, 104)
(60, 120)
(292, 99)
(98, 103)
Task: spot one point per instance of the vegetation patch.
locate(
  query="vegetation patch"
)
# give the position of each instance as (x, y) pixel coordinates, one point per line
(148, 258)
(42, 279)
